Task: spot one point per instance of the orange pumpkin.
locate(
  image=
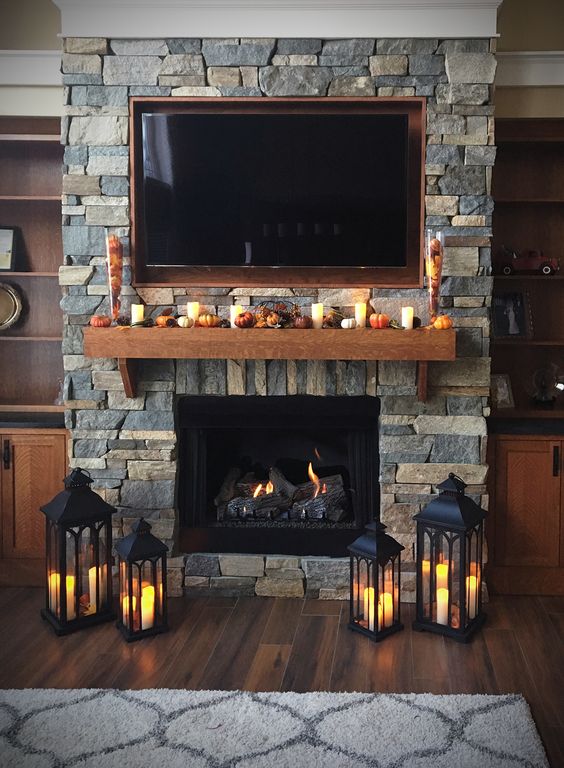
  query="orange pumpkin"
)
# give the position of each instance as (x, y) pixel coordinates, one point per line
(209, 321)
(378, 320)
(303, 321)
(441, 322)
(273, 319)
(245, 320)
(165, 321)
(100, 321)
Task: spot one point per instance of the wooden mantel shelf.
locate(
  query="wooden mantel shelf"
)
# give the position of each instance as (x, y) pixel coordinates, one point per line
(128, 344)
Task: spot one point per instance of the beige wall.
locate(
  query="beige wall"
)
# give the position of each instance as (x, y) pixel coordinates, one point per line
(531, 25)
(29, 25)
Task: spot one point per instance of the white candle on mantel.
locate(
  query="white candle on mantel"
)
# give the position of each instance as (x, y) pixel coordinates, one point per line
(471, 591)
(360, 314)
(317, 315)
(193, 310)
(137, 313)
(442, 606)
(234, 310)
(407, 318)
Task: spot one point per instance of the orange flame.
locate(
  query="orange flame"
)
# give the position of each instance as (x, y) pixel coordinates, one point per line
(317, 454)
(314, 479)
(269, 487)
(258, 489)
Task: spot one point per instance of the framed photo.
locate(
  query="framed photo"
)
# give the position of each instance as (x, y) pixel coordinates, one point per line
(502, 394)
(511, 315)
(7, 250)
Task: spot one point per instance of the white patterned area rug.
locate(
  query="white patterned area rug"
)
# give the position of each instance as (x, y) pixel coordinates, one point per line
(89, 728)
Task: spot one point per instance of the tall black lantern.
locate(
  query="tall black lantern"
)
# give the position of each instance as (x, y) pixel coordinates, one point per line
(450, 538)
(142, 583)
(375, 583)
(79, 547)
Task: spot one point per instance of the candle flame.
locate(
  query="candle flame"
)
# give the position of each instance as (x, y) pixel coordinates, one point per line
(257, 491)
(269, 487)
(314, 479)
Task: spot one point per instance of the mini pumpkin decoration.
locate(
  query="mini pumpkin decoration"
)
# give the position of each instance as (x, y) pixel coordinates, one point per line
(379, 320)
(165, 321)
(209, 321)
(245, 320)
(261, 323)
(442, 322)
(348, 322)
(185, 321)
(100, 321)
(273, 320)
(303, 321)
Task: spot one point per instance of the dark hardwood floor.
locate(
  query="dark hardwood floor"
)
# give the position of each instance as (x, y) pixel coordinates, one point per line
(297, 645)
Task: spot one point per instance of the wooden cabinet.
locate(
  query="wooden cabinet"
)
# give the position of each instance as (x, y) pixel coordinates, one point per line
(526, 527)
(30, 202)
(33, 465)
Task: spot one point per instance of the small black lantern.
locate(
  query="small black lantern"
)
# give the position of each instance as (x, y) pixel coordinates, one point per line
(375, 583)
(450, 542)
(142, 583)
(79, 546)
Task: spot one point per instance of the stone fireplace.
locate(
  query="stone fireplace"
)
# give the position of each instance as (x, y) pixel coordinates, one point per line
(131, 445)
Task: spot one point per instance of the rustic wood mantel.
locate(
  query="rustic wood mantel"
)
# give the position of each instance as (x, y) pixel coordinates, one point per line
(130, 344)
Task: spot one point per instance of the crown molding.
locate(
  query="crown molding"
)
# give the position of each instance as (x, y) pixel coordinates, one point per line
(278, 18)
(30, 68)
(530, 68)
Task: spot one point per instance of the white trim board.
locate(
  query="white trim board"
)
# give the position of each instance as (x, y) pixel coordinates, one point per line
(30, 68)
(278, 18)
(530, 68)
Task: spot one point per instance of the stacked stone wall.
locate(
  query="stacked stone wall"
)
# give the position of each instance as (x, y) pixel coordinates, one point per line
(130, 445)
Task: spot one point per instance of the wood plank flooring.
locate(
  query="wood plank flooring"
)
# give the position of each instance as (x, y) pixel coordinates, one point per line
(260, 644)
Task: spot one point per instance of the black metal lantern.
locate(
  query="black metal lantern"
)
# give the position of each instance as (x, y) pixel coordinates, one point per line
(79, 547)
(375, 583)
(142, 583)
(450, 538)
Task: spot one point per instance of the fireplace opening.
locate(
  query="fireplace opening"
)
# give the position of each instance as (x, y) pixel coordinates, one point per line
(296, 475)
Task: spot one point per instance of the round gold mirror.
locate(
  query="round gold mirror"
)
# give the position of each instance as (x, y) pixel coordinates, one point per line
(10, 306)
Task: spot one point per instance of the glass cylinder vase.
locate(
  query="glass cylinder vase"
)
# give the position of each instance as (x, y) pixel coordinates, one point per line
(114, 264)
(434, 257)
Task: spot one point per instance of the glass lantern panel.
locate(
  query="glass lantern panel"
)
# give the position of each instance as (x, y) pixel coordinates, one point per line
(426, 581)
(130, 595)
(445, 579)
(53, 574)
(455, 596)
(71, 587)
(149, 585)
(388, 594)
(159, 593)
(473, 572)
(366, 594)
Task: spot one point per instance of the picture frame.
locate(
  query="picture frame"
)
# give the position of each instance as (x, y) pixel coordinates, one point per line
(501, 391)
(7, 248)
(511, 315)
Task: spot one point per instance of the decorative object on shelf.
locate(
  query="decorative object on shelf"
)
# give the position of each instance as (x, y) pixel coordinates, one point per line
(375, 583)
(546, 385)
(193, 310)
(114, 252)
(511, 315)
(317, 315)
(510, 261)
(333, 318)
(7, 249)
(100, 321)
(450, 542)
(209, 320)
(234, 311)
(379, 320)
(407, 318)
(142, 583)
(442, 322)
(79, 556)
(185, 322)
(360, 314)
(348, 322)
(501, 392)
(165, 319)
(434, 258)
(10, 306)
(244, 320)
(137, 314)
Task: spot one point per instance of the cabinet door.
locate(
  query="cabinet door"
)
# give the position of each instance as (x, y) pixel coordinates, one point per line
(36, 469)
(528, 491)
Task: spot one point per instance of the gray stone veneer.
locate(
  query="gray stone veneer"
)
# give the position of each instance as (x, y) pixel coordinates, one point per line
(129, 445)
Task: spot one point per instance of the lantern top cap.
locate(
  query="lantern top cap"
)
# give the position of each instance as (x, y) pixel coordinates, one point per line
(78, 478)
(140, 544)
(452, 484)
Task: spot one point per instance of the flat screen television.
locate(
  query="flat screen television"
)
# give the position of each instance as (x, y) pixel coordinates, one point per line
(294, 191)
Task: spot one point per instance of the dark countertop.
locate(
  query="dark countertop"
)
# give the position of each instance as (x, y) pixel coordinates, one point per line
(501, 426)
(26, 420)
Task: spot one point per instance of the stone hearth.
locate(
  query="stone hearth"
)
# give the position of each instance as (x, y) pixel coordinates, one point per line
(130, 445)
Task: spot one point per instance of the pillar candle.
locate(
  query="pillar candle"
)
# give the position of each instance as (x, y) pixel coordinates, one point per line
(360, 315)
(235, 310)
(369, 607)
(54, 585)
(125, 609)
(442, 575)
(317, 315)
(471, 594)
(193, 310)
(147, 607)
(407, 318)
(426, 569)
(137, 313)
(387, 602)
(442, 606)
(70, 588)
(92, 587)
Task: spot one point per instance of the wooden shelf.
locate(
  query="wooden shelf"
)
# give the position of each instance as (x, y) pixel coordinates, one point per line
(31, 198)
(527, 413)
(129, 344)
(46, 137)
(35, 408)
(28, 274)
(528, 342)
(526, 276)
(31, 338)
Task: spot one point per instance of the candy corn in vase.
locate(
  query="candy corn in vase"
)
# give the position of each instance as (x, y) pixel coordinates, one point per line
(114, 251)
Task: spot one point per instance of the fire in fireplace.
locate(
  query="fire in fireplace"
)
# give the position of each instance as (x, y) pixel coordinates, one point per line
(277, 474)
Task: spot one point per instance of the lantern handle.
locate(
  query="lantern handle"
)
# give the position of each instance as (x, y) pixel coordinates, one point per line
(456, 477)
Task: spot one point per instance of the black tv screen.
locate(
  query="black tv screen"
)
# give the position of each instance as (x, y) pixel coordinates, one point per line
(274, 190)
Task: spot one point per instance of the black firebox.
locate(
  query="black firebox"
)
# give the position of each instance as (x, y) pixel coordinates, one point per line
(294, 475)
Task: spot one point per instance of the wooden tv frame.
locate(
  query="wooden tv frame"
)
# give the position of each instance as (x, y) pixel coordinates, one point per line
(409, 276)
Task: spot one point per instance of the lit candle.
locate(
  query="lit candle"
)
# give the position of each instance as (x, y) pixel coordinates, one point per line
(71, 611)
(317, 315)
(125, 609)
(442, 605)
(137, 313)
(54, 584)
(426, 568)
(380, 616)
(147, 607)
(360, 315)
(369, 607)
(387, 602)
(471, 593)
(234, 310)
(193, 310)
(407, 318)
(442, 575)
(92, 588)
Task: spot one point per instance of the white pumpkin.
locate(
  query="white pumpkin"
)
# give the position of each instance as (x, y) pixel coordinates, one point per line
(185, 322)
(348, 322)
